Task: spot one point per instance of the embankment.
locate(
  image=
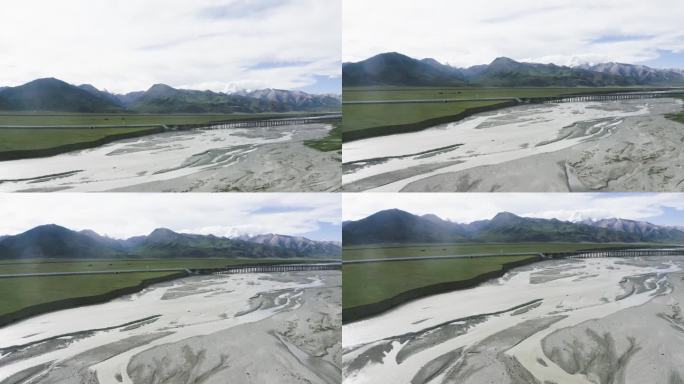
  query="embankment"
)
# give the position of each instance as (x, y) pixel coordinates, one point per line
(421, 125)
(53, 151)
(43, 308)
(369, 310)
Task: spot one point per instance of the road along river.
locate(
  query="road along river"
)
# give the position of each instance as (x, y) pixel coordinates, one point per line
(237, 159)
(600, 321)
(261, 328)
(625, 145)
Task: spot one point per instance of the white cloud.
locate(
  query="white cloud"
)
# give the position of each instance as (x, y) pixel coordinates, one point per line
(468, 207)
(124, 45)
(466, 33)
(126, 215)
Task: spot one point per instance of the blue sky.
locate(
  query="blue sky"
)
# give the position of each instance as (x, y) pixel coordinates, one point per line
(658, 208)
(313, 215)
(565, 32)
(221, 45)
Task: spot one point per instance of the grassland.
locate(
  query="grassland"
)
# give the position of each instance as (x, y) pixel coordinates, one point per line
(21, 139)
(373, 282)
(410, 250)
(332, 142)
(367, 120)
(21, 292)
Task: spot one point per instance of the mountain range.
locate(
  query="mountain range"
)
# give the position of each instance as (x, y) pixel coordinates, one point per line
(395, 69)
(397, 226)
(58, 96)
(54, 241)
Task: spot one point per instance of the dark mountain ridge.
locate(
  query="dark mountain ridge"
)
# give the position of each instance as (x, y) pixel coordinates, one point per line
(397, 226)
(54, 241)
(395, 69)
(58, 96)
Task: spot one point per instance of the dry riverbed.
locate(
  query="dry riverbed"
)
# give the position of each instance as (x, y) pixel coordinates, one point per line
(624, 145)
(598, 321)
(239, 159)
(252, 328)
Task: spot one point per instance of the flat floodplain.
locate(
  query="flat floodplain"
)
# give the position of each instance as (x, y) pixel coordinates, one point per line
(169, 153)
(560, 321)
(23, 292)
(512, 145)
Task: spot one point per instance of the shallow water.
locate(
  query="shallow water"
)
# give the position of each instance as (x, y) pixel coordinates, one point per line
(150, 158)
(488, 138)
(454, 337)
(162, 314)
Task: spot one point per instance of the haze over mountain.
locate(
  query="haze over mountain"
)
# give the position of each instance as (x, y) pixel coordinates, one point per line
(53, 241)
(395, 69)
(58, 96)
(397, 226)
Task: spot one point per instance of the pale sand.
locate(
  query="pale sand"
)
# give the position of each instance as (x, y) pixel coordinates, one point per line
(591, 321)
(244, 328)
(611, 146)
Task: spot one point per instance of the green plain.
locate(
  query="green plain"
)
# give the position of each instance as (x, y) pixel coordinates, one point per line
(332, 142)
(16, 139)
(411, 250)
(373, 282)
(18, 293)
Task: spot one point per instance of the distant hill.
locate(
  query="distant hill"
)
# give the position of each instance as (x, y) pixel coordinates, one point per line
(394, 69)
(53, 241)
(57, 96)
(397, 226)
(54, 95)
(301, 245)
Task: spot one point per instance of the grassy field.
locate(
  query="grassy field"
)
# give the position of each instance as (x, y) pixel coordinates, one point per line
(363, 117)
(370, 283)
(20, 292)
(332, 142)
(86, 119)
(409, 250)
(17, 139)
(42, 266)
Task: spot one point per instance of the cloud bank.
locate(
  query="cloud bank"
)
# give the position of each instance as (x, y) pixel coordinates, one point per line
(124, 45)
(126, 215)
(465, 33)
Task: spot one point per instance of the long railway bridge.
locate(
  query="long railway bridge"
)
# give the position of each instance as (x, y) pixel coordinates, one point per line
(269, 123)
(265, 268)
(602, 253)
(601, 97)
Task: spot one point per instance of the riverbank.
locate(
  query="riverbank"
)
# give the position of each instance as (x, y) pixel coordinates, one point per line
(73, 302)
(360, 312)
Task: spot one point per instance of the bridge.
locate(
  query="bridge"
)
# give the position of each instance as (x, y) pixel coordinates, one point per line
(266, 123)
(257, 268)
(601, 97)
(603, 253)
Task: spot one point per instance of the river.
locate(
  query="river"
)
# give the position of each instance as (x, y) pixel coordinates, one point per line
(239, 159)
(279, 327)
(594, 321)
(431, 159)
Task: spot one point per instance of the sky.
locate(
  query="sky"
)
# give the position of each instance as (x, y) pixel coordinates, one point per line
(127, 45)
(564, 32)
(657, 208)
(313, 215)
